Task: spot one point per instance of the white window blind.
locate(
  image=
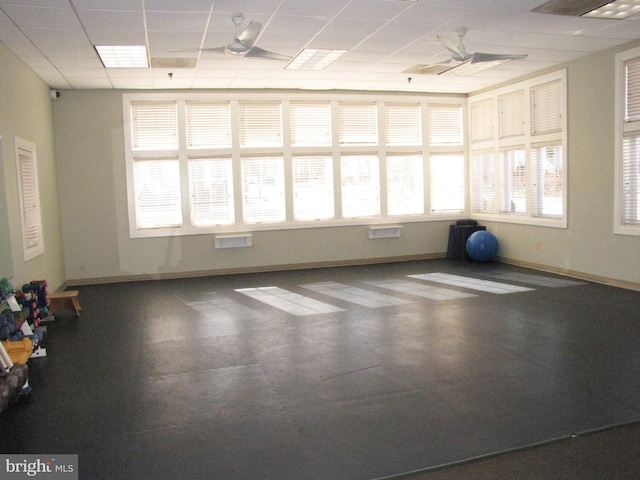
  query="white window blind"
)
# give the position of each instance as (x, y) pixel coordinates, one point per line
(446, 183)
(208, 125)
(548, 179)
(211, 188)
(157, 197)
(402, 124)
(482, 121)
(631, 179)
(445, 124)
(358, 123)
(511, 109)
(154, 126)
(512, 164)
(29, 199)
(263, 189)
(483, 170)
(260, 124)
(405, 185)
(632, 89)
(310, 124)
(546, 112)
(313, 188)
(360, 181)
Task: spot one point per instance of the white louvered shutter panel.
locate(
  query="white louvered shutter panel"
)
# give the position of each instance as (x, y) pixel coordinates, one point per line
(548, 178)
(445, 124)
(263, 189)
(405, 189)
(310, 124)
(29, 202)
(260, 124)
(511, 116)
(208, 125)
(157, 187)
(631, 179)
(313, 188)
(482, 121)
(513, 181)
(483, 181)
(632, 89)
(154, 126)
(446, 183)
(546, 108)
(358, 123)
(360, 179)
(402, 124)
(211, 189)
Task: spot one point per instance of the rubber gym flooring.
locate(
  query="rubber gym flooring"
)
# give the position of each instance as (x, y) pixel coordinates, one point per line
(338, 373)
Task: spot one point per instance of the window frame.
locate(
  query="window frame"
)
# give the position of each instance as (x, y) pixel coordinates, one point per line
(623, 129)
(29, 199)
(499, 143)
(288, 151)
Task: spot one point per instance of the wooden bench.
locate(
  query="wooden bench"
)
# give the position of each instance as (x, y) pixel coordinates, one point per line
(66, 299)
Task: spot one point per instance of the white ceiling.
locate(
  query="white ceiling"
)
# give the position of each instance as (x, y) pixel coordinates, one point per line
(383, 38)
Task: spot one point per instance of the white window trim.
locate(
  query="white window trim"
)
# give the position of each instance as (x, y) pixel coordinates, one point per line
(287, 151)
(29, 249)
(527, 140)
(618, 226)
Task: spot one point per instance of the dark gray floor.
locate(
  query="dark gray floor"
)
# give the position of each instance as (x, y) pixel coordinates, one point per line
(193, 379)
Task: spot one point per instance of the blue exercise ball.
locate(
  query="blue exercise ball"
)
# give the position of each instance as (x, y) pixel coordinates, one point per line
(482, 246)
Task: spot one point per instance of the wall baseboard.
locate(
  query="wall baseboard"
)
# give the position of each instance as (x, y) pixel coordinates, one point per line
(244, 270)
(573, 274)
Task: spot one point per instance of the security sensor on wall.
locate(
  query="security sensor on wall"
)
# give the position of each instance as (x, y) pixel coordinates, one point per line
(54, 94)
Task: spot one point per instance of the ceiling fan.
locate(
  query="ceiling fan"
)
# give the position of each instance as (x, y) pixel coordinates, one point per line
(460, 54)
(244, 41)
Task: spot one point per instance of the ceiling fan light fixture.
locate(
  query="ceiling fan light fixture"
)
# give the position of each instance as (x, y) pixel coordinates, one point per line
(123, 56)
(314, 59)
(617, 9)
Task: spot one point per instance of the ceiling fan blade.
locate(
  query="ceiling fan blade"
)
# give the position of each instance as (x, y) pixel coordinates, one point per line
(479, 57)
(250, 34)
(449, 45)
(261, 53)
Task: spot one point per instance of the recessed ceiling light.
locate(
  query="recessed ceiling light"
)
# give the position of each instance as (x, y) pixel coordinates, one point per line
(123, 56)
(314, 59)
(617, 9)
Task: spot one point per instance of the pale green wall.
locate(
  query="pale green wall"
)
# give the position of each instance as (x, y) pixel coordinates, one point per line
(588, 246)
(90, 149)
(26, 112)
(90, 152)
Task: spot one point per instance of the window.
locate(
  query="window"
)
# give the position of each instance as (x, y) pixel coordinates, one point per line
(202, 163)
(405, 193)
(627, 199)
(313, 188)
(513, 180)
(29, 199)
(520, 176)
(360, 186)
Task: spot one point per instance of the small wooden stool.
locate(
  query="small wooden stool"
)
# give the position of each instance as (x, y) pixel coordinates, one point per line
(67, 298)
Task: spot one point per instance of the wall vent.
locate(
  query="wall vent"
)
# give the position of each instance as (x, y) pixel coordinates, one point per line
(233, 241)
(384, 232)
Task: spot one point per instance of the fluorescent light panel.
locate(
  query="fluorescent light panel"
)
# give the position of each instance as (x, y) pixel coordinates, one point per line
(314, 59)
(617, 9)
(123, 56)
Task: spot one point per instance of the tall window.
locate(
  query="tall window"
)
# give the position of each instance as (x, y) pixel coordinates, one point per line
(29, 199)
(519, 175)
(202, 163)
(627, 201)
